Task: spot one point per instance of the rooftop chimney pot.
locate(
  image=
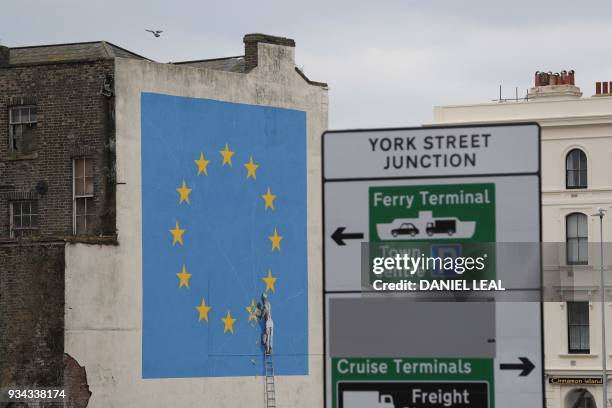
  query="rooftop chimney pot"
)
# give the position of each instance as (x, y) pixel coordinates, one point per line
(5, 56)
(559, 85)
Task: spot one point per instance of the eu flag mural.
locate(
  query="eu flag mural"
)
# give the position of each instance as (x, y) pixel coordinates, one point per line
(223, 221)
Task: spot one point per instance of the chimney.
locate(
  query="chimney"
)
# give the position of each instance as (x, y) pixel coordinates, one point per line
(555, 86)
(603, 88)
(5, 53)
(251, 47)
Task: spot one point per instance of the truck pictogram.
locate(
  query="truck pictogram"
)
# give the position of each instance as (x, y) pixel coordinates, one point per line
(367, 399)
(425, 227)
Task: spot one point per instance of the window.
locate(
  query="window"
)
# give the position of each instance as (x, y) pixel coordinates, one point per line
(578, 327)
(576, 240)
(83, 195)
(576, 169)
(23, 216)
(22, 125)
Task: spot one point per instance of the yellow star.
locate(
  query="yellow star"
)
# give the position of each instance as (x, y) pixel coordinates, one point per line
(184, 193)
(202, 164)
(270, 280)
(203, 309)
(177, 234)
(269, 199)
(229, 323)
(276, 239)
(251, 310)
(184, 278)
(227, 155)
(251, 167)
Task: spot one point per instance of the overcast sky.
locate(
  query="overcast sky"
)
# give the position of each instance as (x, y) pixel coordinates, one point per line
(387, 62)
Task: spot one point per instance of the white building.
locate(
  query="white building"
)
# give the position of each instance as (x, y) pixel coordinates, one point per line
(576, 180)
(104, 284)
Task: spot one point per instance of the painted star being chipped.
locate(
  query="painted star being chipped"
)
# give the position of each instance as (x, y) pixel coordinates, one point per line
(184, 278)
(183, 193)
(270, 281)
(251, 310)
(228, 321)
(269, 199)
(251, 168)
(202, 164)
(177, 234)
(276, 239)
(203, 309)
(227, 155)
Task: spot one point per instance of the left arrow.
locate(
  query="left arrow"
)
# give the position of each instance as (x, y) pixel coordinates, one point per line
(339, 235)
(526, 366)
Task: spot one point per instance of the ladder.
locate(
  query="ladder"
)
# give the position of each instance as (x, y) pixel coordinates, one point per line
(270, 392)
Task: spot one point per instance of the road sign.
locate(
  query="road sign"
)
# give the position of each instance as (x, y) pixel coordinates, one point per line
(439, 191)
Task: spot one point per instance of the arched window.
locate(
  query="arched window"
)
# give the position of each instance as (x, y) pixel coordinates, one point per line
(576, 169)
(579, 398)
(576, 239)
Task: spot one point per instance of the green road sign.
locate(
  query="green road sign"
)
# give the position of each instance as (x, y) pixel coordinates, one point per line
(412, 382)
(449, 220)
(433, 213)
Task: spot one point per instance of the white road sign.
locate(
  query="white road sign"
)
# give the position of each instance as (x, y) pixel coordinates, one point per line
(435, 190)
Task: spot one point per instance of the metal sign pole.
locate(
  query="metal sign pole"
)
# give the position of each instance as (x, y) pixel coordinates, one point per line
(604, 354)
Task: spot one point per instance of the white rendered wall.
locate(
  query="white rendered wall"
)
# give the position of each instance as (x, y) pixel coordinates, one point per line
(104, 284)
(584, 123)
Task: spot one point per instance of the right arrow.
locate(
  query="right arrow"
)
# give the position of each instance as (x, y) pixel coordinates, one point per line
(339, 235)
(525, 365)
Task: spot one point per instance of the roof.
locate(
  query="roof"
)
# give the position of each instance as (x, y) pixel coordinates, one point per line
(236, 64)
(100, 50)
(230, 64)
(68, 52)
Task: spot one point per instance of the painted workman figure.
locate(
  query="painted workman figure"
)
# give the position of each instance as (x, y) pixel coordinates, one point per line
(264, 311)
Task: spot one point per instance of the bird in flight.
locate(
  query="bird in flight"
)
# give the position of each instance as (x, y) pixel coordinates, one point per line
(156, 33)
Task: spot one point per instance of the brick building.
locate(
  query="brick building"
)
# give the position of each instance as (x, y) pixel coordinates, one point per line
(57, 185)
(68, 231)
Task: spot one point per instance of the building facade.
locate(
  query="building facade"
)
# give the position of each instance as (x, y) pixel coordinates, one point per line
(57, 186)
(576, 153)
(71, 191)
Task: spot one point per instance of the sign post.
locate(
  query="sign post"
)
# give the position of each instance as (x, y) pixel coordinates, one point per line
(434, 192)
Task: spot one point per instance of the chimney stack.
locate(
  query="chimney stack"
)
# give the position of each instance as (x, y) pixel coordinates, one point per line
(251, 47)
(5, 56)
(558, 85)
(603, 88)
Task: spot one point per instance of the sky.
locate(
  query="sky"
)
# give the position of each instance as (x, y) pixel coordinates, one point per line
(387, 63)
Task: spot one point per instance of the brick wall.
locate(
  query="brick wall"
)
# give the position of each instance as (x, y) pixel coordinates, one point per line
(74, 119)
(31, 314)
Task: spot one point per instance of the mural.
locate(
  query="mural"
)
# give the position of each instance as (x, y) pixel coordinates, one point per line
(223, 222)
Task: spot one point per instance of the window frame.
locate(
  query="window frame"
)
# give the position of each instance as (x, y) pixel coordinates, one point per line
(12, 124)
(582, 168)
(86, 196)
(581, 326)
(578, 239)
(33, 215)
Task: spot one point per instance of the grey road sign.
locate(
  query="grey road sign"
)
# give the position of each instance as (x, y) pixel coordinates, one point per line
(441, 186)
